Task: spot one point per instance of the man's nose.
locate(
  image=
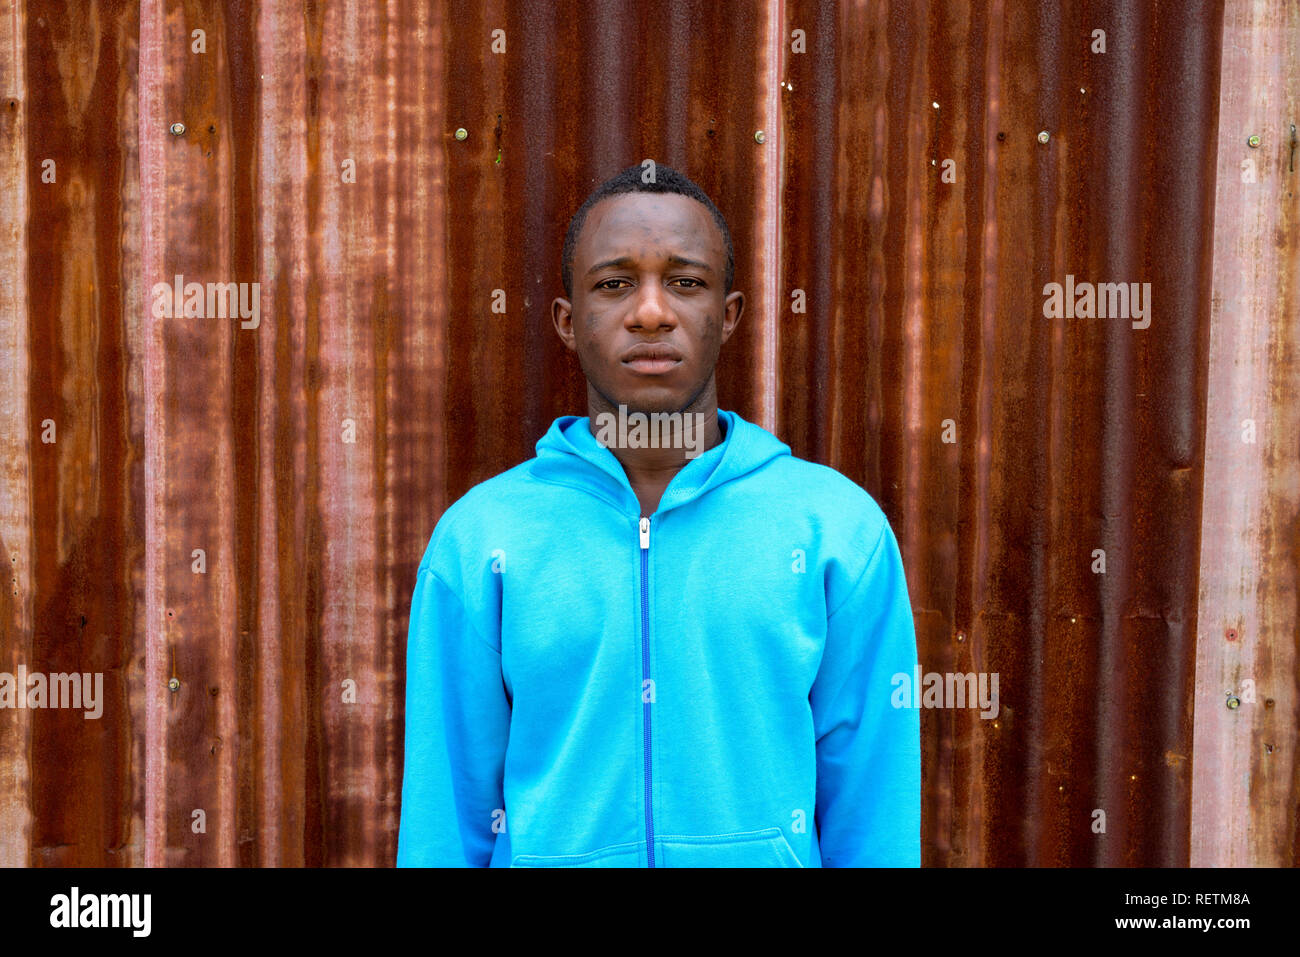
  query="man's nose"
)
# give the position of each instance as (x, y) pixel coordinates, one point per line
(651, 311)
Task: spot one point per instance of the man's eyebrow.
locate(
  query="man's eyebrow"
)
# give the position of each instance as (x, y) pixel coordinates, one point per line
(622, 262)
(683, 261)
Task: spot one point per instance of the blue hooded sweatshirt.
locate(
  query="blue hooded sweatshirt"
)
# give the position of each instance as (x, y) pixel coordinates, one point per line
(708, 687)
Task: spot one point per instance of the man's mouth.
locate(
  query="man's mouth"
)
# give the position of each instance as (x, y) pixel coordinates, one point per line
(652, 366)
(647, 359)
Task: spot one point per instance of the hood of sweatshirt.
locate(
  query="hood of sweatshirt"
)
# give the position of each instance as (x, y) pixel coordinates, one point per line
(569, 454)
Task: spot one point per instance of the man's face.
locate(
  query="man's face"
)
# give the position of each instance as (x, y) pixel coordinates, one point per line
(649, 312)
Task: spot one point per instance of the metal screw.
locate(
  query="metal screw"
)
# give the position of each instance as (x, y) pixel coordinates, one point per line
(1044, 136)
(1233, 702)
(1230, 634)
(174, 684)
(178, 129)
(1253, 142)
(760, 137)
(961, 636)
(462, 133)
(1268, 749)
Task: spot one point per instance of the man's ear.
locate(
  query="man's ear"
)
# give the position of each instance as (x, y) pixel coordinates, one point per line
(562, 316)
(732, 308)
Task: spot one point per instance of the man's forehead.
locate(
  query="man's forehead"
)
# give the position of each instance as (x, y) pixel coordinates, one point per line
(666, 216)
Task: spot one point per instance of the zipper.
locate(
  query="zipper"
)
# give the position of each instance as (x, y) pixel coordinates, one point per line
(645, 676)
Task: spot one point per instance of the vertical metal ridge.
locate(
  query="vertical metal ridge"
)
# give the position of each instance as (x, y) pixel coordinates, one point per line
(152, 170)
(772, 165)
(971, 591)
(16, 543)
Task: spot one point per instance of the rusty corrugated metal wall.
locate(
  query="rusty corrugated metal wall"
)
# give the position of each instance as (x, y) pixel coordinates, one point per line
(318, 158)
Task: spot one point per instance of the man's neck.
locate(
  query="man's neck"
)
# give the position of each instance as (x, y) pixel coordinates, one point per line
(650, 470)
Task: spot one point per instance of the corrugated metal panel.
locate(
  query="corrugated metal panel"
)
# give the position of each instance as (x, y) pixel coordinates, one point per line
(1246, 785)
(925, 307)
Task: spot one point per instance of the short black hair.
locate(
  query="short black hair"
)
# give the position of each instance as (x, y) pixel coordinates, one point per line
(666, 180)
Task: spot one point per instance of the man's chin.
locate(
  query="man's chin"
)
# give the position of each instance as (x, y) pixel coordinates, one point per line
(650, 404)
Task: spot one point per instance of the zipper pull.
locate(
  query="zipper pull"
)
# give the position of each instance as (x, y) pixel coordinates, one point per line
(645, 532)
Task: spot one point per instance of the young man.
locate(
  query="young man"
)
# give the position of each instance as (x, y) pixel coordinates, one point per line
(659, 647)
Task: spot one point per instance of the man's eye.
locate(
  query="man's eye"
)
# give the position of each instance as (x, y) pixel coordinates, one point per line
(606, 283)
(694, 282)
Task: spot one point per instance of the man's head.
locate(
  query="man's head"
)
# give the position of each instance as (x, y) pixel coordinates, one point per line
(667, 180)
(649, 269)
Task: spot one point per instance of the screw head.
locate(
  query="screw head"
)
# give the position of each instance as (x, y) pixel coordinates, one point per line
(178, 129)
(462, 133)
(760, 137)
(174, 684)
(1253, 142)
(1233, 702)
(1044, 136)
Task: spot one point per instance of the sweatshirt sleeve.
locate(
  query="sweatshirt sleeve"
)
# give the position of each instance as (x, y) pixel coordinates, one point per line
(457, 723)
(868, 751)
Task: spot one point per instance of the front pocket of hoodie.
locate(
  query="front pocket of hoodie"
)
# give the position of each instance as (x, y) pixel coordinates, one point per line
(616, 855)
(763, 848)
